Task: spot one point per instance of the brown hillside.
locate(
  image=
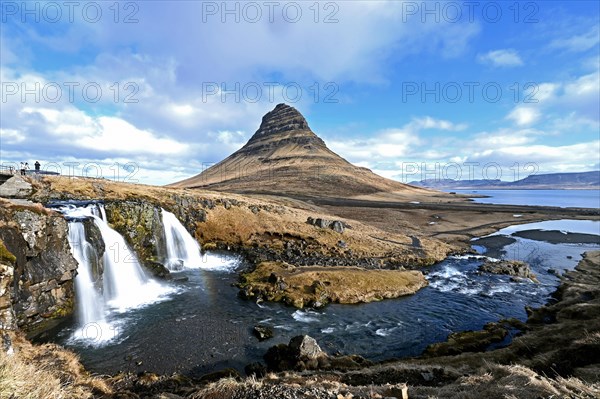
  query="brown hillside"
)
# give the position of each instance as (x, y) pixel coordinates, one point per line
(284, 156)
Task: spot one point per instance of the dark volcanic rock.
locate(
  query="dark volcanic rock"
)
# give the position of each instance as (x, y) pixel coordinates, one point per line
(262, 332)
(509, 267)
(473, 341)
(334, 225)
(39, 282)
(95, 251)
(257, 369)
(217, 375)
(304, 353)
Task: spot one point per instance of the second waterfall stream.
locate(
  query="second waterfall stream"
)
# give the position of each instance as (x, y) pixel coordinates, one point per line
(183, 251)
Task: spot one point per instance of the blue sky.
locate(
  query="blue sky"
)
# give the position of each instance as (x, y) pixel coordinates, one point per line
(409, 89)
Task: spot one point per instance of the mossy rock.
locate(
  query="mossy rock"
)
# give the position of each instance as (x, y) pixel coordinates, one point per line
(6, 256)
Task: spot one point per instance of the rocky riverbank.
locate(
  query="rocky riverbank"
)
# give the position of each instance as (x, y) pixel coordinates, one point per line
(36, 266)
(556, 356)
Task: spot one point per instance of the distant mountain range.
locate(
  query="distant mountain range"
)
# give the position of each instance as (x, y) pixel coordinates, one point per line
(581, 180)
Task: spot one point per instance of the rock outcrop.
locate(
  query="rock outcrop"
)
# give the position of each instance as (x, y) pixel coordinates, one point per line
(37, 266)
(7, 271)
(513, 268)
(16, 187)
(335, 225)
(140, 223)
(316, 286)
(304, 353)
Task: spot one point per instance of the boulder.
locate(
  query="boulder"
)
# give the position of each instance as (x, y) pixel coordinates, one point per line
(335, 225)
(513, 268)
(304, 347)
(262, 332)
(304, 353)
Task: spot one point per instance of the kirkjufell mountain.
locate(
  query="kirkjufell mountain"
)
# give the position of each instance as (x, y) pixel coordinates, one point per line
(285, 156)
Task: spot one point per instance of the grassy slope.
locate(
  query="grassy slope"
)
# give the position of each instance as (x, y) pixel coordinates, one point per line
(304, 285)
(45, 371)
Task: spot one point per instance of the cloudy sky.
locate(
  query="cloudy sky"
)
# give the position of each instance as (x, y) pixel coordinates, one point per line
(156, 91)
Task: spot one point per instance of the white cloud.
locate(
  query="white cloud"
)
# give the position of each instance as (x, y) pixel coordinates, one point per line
(505, 138)
(545, 156)
(11, 136)
(501, 58)
(117, 135)
(524, 116)
(393, 143)
(103, 134)
(206, 49)
(580, 42)
(432, 123)
(183, 110)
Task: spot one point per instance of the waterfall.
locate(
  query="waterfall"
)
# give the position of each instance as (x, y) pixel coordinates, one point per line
(90, 306)
(125, 284)
(182, 249)
(98, 211)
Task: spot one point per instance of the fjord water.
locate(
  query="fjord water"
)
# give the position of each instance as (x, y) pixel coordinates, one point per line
(560, 198)
(203, 326)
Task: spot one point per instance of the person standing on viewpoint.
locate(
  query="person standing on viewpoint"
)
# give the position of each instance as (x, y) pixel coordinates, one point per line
(25, 168)
(22, 168)
(37, 166)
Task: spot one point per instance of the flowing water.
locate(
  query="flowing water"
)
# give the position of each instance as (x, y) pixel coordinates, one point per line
(90, 304)
(182, 249)
(202, 325)
(122, 285)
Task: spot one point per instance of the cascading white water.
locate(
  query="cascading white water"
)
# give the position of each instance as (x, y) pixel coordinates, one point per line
(91, 310)
(98, 210)
(90, 306)
(125, 285)
(182, 249)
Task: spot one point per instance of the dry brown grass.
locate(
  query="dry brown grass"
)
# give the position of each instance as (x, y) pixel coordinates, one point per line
(239, 225)
(509, 382)
(46, 371)
(492, 382)
(334, 284)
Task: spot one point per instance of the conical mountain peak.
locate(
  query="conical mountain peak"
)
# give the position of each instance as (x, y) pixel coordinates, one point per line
(282, 127)
(284, 156)
(283, 118)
